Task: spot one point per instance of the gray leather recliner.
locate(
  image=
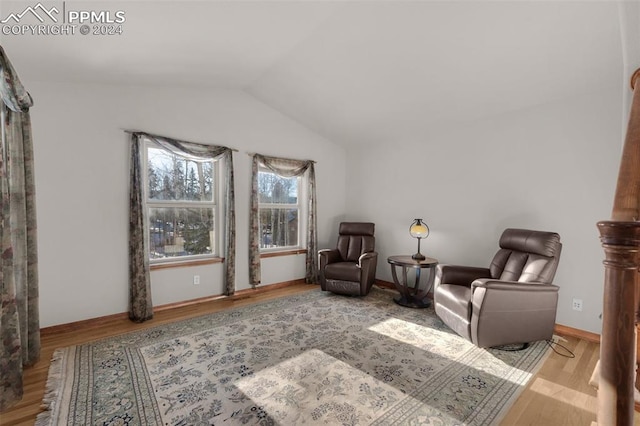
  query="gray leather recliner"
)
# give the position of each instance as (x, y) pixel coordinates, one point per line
(512, 301)
(350, 268)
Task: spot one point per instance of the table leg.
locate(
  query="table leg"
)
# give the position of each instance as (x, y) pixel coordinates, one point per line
(402, 289)
(407, 297)
(407, 290)
(423, 294)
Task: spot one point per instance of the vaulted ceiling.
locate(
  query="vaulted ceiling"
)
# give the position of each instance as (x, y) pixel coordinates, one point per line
(353, 71)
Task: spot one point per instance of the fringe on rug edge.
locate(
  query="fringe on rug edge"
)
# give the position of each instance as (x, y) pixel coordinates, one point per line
(53, 388)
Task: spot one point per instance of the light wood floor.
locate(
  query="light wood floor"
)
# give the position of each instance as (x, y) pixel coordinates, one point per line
(558, 395)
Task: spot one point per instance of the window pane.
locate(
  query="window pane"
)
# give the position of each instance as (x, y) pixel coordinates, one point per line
(278, 228)
(277, 190)
(172, 177)
(180, 231)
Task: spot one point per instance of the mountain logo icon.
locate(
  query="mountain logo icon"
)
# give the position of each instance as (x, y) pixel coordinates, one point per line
(39, 11)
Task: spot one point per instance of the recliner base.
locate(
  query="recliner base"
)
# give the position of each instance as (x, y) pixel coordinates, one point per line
(350, 288)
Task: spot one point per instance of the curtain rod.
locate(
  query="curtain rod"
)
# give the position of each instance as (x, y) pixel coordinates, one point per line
(251, 154)
(131, 132)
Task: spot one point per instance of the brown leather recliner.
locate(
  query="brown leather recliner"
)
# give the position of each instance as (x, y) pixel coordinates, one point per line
(512, 301)
(351, 267)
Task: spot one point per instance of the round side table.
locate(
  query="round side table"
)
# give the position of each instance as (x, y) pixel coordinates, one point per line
(412, 297)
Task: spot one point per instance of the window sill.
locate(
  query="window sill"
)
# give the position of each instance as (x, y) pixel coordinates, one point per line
(282, 253)
(184, 263)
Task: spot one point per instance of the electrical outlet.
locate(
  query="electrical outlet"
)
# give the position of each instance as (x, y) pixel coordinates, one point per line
(577, 304)
(196, 279)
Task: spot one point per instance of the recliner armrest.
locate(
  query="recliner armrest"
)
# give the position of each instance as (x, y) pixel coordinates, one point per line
(460, 275)
(505, 312)
(367, 258)
(491, 284)
(328, 256)
(367, 262)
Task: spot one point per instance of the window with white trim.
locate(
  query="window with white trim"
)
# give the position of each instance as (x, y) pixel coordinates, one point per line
(181, 202)
(280, 211)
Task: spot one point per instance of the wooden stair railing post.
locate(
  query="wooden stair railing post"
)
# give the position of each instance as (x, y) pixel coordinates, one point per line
(621, 242)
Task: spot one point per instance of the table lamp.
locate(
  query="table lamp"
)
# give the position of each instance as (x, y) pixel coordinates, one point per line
(419, 230)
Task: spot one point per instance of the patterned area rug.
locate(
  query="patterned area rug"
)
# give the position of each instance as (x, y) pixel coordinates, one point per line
(313, 358)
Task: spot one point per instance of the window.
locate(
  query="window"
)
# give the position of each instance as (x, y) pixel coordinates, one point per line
(181, 205)
(280, 211)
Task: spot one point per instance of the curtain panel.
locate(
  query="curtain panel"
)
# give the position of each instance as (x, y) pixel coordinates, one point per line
(19, 315)
(140, 305)
(286, 168)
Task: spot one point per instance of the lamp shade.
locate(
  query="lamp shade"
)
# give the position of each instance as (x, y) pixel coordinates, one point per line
(419, 229)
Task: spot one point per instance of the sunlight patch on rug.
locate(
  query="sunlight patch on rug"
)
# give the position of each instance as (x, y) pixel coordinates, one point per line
(314, 358)
(410, 333)
(315, 376)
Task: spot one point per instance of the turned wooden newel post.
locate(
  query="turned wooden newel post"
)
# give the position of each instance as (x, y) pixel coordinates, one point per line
(621, 240)
(621, 243)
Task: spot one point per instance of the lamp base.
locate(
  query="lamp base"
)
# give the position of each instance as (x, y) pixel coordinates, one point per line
(418, 256)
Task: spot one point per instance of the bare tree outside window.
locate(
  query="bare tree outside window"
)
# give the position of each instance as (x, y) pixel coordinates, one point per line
(278, 199)
(180, 198)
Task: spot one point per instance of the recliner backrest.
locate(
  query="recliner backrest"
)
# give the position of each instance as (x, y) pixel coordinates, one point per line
(527, 256)
(355, 239)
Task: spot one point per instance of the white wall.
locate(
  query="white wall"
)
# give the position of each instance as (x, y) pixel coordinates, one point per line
(552, 167)
(82, 157)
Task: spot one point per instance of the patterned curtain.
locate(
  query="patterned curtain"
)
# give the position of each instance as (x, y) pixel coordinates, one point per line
(19, 317)
(286, 168)
(140, 308)
(140, 304)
